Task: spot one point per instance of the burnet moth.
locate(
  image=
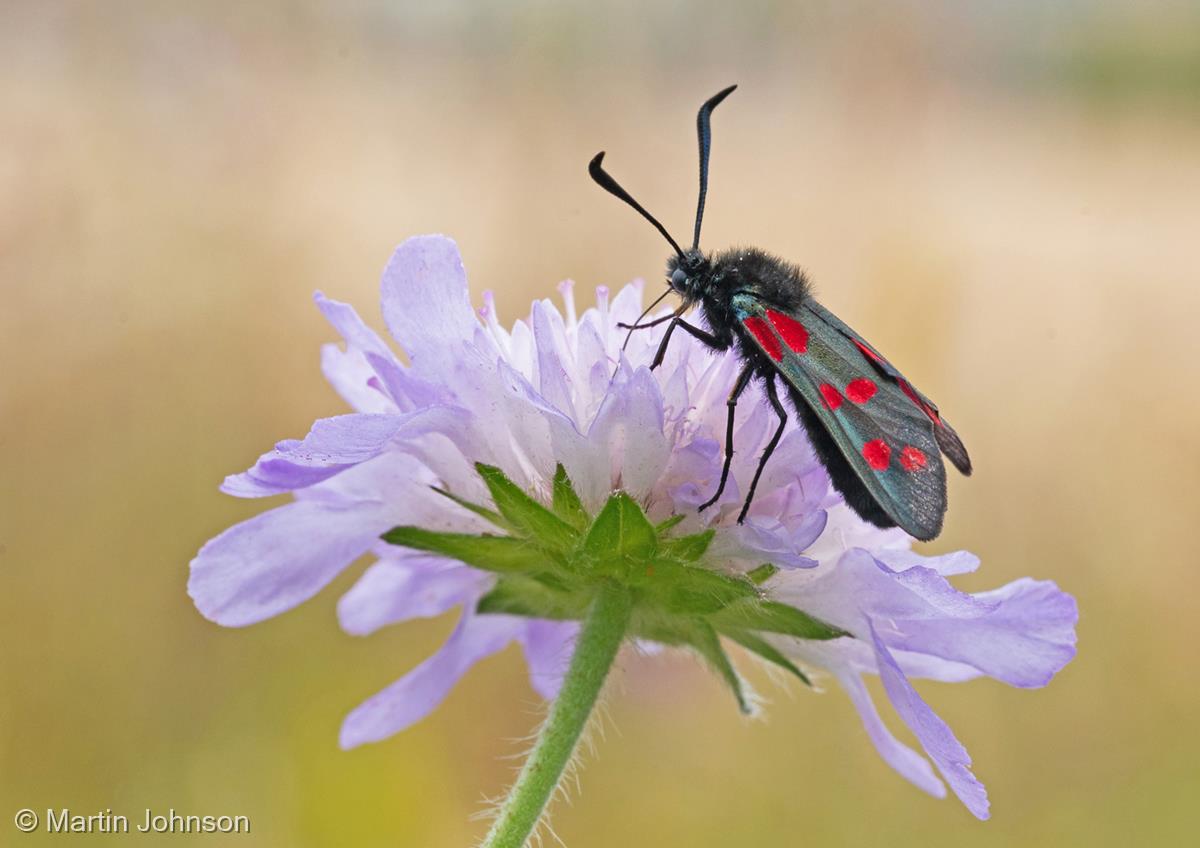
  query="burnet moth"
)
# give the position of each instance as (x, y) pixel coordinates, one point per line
(880, 439)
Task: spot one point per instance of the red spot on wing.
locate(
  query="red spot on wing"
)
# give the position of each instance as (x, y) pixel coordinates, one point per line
(861, 390)
(929, 411)
(912, 458)
(877, 454)
(790, 329)
(916, 398)
(766, 338)
(831, 396)
(867, 352)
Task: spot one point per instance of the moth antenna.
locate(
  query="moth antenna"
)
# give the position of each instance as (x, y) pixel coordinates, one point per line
(645, 312)
(606, 182)
(704, 134)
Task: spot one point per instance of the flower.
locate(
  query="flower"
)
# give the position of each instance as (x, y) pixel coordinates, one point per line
(480, 408)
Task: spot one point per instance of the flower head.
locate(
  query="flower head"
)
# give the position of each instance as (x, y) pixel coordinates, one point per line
(447, 471)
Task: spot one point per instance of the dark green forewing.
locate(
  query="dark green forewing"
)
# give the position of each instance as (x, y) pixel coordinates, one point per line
(883, 427)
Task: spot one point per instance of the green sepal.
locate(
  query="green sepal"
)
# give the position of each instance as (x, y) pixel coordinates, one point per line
(565, 501)
(532, 597)
(664, 526)
(757, 645)
(693, 590)
(621, 530)
(762, 574)
(773, 617)
(489, 553)
(708, 644)
(687, 548)
(491, 515)
(526, 516)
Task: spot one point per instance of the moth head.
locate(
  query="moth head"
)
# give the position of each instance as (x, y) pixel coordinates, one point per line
(686, 272)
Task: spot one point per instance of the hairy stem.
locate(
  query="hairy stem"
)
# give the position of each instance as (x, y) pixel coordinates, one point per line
(595, 650)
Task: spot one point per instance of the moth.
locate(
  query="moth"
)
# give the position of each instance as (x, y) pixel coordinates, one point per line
(881, 440)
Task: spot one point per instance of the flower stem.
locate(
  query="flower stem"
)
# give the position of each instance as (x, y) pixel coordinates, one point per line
(595, 650)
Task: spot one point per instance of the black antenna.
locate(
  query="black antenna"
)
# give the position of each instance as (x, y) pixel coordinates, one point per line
(606, 182)
(704, 132)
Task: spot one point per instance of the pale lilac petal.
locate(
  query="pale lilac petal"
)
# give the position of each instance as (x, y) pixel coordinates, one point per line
(419, 692)
(858, 586)
(521, 348)
(935, 736)
(794, 473)
(895, 753)
(627, 305)
(590, 349)
(548, 646)
(526, 436)
(353, 377)
(553, 370)
(408, 391)
(425, 300)
(630, 426)
(942, 598)
(280, 558)
(276, 560)
(351, 371)
(402, 484)
(353, 329)
(947, 565)
(690, 478)
(397, 589)
(1025, 641)
(331, 446)
(760, 540)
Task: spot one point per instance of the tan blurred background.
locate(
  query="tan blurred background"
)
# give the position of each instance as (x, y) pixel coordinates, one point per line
(1005, 199)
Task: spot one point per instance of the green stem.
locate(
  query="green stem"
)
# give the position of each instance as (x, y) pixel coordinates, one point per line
(595, 650)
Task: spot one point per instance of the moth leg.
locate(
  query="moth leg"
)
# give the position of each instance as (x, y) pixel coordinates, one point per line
(743, 380)
(771, 445)
(648, 324)
(708, 338)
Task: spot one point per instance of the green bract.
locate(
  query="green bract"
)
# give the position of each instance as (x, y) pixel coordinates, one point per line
(552, 562)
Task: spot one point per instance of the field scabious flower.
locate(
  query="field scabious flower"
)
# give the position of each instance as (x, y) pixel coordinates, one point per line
(510, 472)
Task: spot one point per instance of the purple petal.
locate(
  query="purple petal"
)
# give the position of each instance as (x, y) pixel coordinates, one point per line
(548, 646)
(858, 586)
(425, 300)
(791, 470)
(402, 588)
(276, 560)
(1025, 641)
(419, 692)
(353, 377)
(935, 736)
(627, 305)
(947, 565)
(332, 446)
(935, 590)
(407, 390)
(759, 540)
(346, 321)
(625, 445)
(554, 378)
(895, 753)
(351, 372)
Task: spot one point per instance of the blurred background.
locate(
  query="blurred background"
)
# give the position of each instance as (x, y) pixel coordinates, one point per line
(1003, 196)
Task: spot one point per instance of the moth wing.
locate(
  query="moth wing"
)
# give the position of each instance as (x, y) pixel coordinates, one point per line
(949, 442)
(885, 436)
